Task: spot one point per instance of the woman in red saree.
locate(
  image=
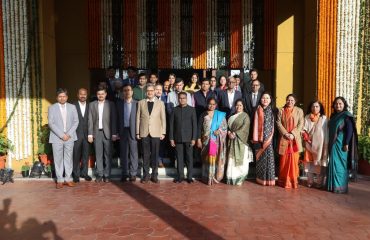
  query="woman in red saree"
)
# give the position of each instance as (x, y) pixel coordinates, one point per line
(290, 121)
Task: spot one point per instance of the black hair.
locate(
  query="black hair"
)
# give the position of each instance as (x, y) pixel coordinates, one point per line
(322, 110)
(293, 96)
(141, 75)
(131, 68)
(344, 102)
(182, 93)
(62, 90)
(127, 85)
(253, 70)
(101, 88)
(239, 100)
(210, 99)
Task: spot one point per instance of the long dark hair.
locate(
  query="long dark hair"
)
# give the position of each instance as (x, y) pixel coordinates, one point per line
(344, 102)
(272, 103)
(322, 110)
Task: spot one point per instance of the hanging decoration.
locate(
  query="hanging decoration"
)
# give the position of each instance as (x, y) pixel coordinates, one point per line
(236, 28)
(347, 49)
(199, 38)
(176, 34)
(269, 36)
(186, 30)
(94, 28)
(141, 34)
(164, 34)
(129, 36)
(223, 36)
(327, 49)
(2, 72)
(248, 41)
(211, 34)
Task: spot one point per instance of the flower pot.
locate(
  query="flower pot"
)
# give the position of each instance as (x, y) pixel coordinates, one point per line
(26, 173)
(2, 161)
(43, 158)
(91, 161)
(364, 167)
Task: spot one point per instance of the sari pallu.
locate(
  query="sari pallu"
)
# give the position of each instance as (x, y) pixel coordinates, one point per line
(289, 171)
(213, 152)
(340, 161)
(239, 152)
(263, 131)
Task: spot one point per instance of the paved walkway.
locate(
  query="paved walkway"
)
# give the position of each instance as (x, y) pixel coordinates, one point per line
(35, 209)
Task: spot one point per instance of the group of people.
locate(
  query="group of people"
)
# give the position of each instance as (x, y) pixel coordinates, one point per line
(224, 125)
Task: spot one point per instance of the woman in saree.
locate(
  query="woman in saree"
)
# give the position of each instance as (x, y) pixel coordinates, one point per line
(212, 130)
(290, 121)
(239, 152)
(263, 132)
(342, 146)
(315, 137)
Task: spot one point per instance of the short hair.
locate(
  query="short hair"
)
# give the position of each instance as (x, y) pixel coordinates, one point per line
(344, 102)
(204, 80)
(101, 88)
(142, 75)
(182, 93)
(127, 85)
(172, 74)
(131, 68)
(253, 70)
(150, 85)
(178, 80)
(153, 73)
(236, 76)
(159, 84)
(322, 110)
(62, 90)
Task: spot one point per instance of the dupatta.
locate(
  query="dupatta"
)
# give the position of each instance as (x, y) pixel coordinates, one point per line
(217, 119)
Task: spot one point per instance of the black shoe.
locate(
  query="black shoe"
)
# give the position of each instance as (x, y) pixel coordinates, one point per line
(154, 179)
(124, 179)
(178, 180)
(133, 179)
(106, 179)
(87, 178)
(189, 180)
(98, 179)
(145, 179)
(76, 179)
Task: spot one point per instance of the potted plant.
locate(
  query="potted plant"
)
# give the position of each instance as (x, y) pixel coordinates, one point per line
(44, 147)
(25, 170)
(5, 146)
(364, 155)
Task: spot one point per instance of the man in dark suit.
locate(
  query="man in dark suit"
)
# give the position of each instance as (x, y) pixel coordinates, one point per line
(112, 82)
(183, 133)
(131, 77)
(102, 131)
(253, 75)
(201, 97)
(126, 109)
(252, 99)
(151, 129)
(81, 146)
(227, 98)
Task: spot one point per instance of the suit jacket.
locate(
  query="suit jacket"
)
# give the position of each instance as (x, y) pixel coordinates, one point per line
(132, 82)
(298, 117)
(153, 124)
(183, 124)
(83, 121)
(56, 123)
(224, 105)
(132, 125)
(109, 119)
(200, 101)
(248, 87)
(249, 103)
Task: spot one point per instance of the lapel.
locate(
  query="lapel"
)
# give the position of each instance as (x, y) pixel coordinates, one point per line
(79, 111)
(145, 106)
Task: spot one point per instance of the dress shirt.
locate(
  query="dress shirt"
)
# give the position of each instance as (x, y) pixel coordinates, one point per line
(63, 111)
(82, 107)
(254, 99)
(101, 109)
(127, 113)
(230, 96)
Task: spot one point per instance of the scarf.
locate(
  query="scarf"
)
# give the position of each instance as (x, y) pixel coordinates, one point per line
(217, 119)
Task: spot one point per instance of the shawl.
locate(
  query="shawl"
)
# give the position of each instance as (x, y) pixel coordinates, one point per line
(217, 119)
(240, 126)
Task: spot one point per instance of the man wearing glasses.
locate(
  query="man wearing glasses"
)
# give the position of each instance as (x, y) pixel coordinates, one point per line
(227, 98)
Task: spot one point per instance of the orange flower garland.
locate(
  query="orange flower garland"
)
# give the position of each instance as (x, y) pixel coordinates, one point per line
(327, 51)
(94, 33)
(164, 31)
(199, 44)
(236, 47)
(269, 35)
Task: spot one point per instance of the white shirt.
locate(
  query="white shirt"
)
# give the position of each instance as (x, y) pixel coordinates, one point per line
(101, 108)
(230, 96)
(127, 113)
(63, 111)
(82, 107)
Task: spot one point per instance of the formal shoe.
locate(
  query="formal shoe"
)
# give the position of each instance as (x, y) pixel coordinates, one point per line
(145, 180)
(106, 179)
(189, 180)
(76, 179)
(133, 179)
(87, 178)
(178, 180)
(124, 179)
(70, 184)
(59, 185)
(154, 179)
(98, 179)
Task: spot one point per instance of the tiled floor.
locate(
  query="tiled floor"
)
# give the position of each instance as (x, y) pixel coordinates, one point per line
(36, 210)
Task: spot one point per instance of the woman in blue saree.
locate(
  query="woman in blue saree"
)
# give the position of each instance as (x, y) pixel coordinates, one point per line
(342, 147)
(212, 130)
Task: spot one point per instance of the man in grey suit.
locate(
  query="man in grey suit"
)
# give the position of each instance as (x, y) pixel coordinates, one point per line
(126, 109)
(102, 131)
(63, 122)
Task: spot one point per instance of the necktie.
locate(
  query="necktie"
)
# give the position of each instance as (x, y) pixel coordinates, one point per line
(64, 117)
(254, 99)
